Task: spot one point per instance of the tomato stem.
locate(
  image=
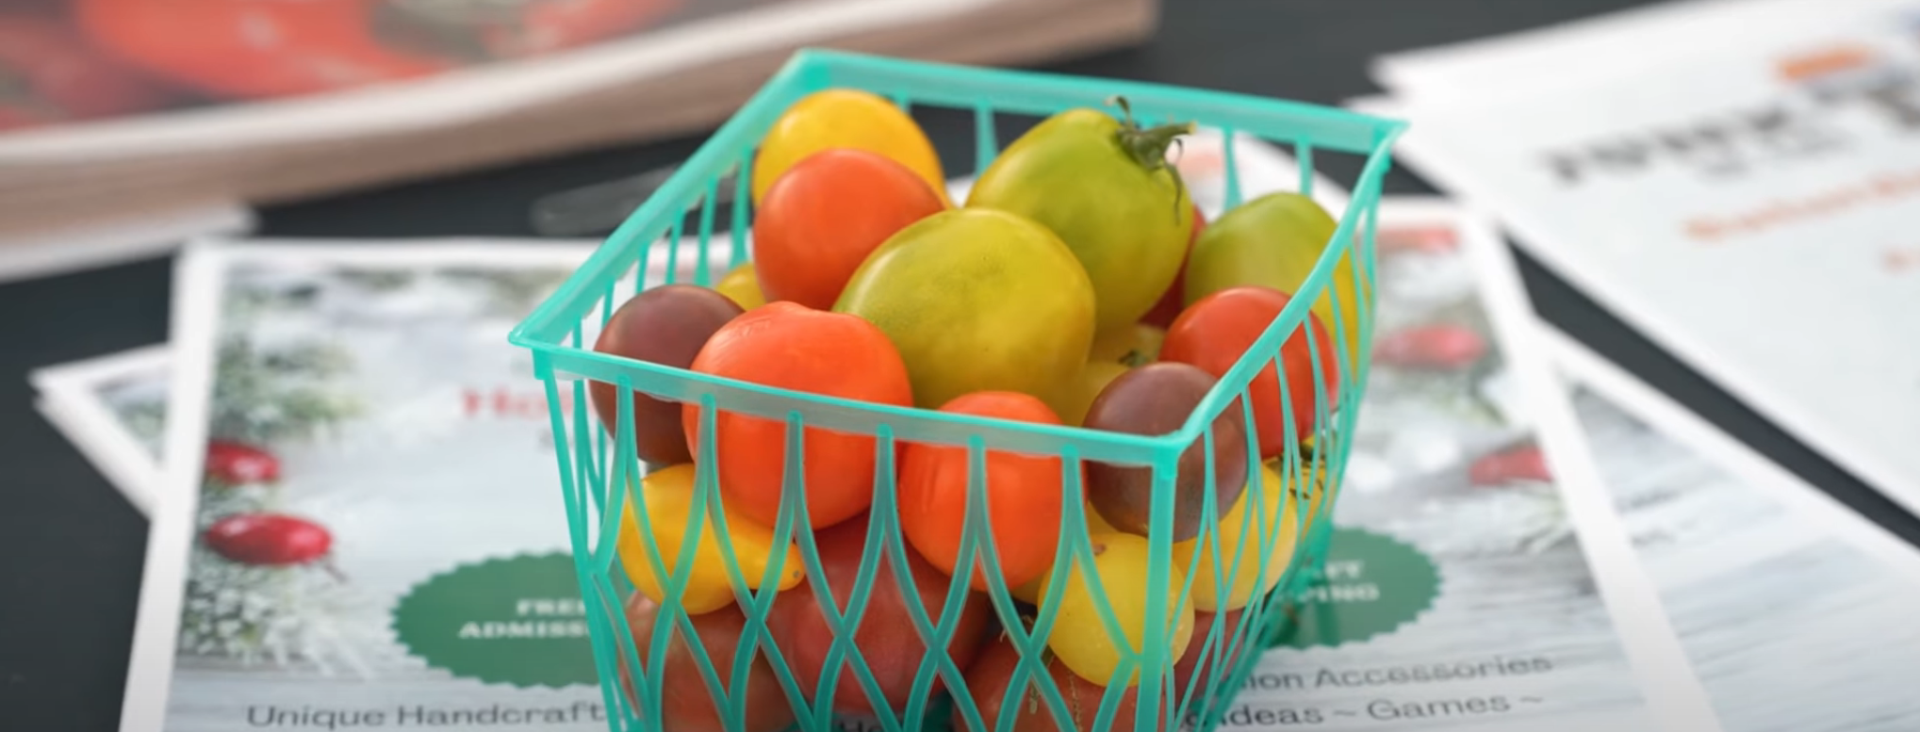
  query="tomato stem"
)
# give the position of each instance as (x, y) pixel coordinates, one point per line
(1149, 146)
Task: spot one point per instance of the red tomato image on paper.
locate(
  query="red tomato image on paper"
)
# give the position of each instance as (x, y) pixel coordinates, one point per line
(1443, 347)
(1523, 463)
(49, 74)
(273, 48)
(1430, 239)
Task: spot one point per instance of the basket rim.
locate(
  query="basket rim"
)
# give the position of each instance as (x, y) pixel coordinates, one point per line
(544, 332)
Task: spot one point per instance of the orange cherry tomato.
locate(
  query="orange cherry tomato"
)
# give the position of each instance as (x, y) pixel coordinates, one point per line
(1216, 331)
(1169, 307)
(791, 346)
(823, 217)
(1023, 495)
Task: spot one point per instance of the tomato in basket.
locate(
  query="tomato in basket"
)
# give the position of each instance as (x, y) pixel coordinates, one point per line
(823, 217)
(1104, 186)
(1022, 494)
(686, 702)
(1215, 332)
(791, 346)
(891, 647)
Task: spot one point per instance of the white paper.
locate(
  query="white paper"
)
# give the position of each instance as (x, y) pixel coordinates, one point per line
(97, 244)
(1777, 264)
(1543, 618)
(451, 98)
(1796, 612)
(1640, 40)
(114, 409)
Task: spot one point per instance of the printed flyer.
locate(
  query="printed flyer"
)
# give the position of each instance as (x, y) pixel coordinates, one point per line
(1796, 612)
(356, 523)
(1746, 206)
(1464, 590)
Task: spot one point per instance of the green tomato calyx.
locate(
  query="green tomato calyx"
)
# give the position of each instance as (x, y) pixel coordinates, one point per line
(1149, 146)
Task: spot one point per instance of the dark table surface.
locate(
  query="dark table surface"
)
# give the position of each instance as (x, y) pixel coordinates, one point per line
(71, 548)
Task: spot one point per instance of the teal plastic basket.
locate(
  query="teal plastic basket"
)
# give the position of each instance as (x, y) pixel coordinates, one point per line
(598, 474)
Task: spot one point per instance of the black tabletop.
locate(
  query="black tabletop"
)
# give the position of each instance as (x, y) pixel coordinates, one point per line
(71, 548)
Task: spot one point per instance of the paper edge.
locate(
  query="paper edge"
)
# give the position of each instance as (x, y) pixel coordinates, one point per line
(1674, 694)
(1587, 368)
(69, 399)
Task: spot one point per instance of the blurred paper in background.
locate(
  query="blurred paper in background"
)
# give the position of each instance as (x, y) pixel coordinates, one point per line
(113, 104)
(1748, 204)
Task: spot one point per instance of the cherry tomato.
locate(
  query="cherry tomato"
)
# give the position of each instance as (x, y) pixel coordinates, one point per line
(845, 118)
(742, 286)
(990, 681)
(1226, 647)
(665, 325)
(686, 704)
(667, 496)
(1216, 331)
(823, 217)
(61, 77)
(1174, 300)
(1022, 492)
(791, 346)
(888, 641)
(1080, 638)
(1102, 185)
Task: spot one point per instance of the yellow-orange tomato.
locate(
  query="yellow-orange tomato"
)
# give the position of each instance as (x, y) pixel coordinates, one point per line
(846, 118)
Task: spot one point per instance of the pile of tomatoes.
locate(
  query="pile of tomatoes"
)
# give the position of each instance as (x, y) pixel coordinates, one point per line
(1075, 285)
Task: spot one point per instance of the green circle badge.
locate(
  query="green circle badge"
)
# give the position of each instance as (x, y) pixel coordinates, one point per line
(1372, 584)
(517, 621)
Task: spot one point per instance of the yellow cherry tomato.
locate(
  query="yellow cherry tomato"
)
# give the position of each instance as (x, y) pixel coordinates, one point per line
(1030, 592)
(1080, 639)
(742, 286)
(1242, 539)
(668, 496)
(845, 118)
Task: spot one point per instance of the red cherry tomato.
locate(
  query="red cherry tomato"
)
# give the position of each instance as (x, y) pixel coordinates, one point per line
(990, 681)
(1168, 308)
(1523, 463)
(686, 704)
(821, 218)
(1442, 346)
(1216, 331)
(791, 346)
(62, 77)
(1022, 491)
(889, 643)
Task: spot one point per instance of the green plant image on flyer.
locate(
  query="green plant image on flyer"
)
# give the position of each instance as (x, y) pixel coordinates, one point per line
(517, 621)
(1373, 585)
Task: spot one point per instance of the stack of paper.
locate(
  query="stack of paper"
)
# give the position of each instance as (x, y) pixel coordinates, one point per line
(261, 102)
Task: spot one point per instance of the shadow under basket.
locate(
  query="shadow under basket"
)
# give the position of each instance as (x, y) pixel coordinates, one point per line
(995, 660)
